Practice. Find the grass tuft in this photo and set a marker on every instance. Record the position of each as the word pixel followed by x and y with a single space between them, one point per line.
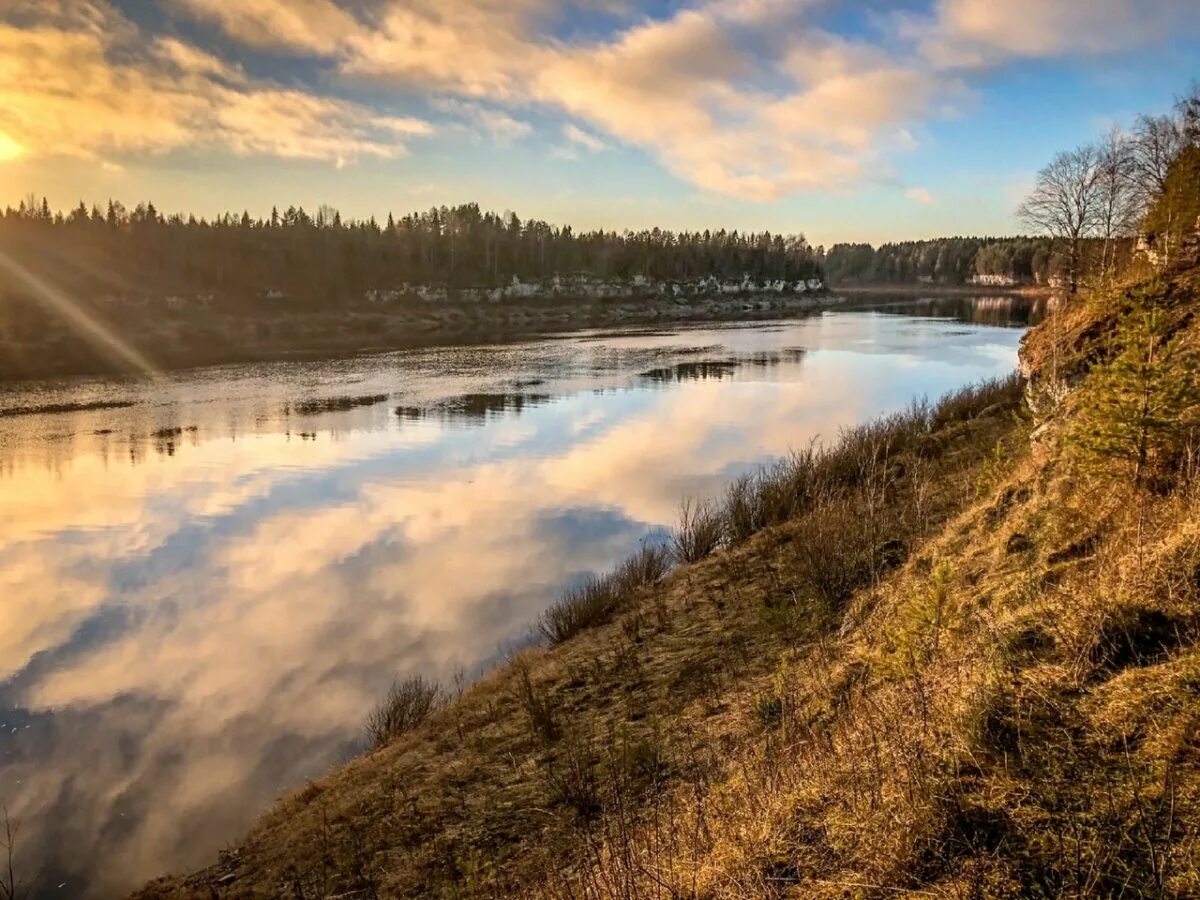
pixel 599 598
pixel 700 531
pixel 408 703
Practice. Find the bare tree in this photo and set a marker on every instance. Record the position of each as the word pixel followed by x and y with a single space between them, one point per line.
pixel 1119 204
pixel 10 885
pixel 1188 108
pixel 1157 141
pixel 1066 203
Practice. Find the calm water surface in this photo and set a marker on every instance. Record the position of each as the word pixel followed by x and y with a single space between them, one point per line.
pixel 203 591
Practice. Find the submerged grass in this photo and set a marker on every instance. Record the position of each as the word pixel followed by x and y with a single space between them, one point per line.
pixel 320 405
pixel 47 408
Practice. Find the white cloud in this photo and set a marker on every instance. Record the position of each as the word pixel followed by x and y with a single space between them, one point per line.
pixel 86 83
pixel 741 97
pixel 585 139
pixel 689 88
pixel 970 33
pixel 683 89
pixel 314 26
pixel 921 195
pixel 503 128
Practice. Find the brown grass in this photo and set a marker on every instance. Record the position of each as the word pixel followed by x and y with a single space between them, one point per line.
pixel 589 749
pixel 932 660
pixel 408 703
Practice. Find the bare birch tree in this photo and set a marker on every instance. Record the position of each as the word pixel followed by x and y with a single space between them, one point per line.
pixel 1157 140
pixel 1188 108
pixel 1066 204
pixel 1119 202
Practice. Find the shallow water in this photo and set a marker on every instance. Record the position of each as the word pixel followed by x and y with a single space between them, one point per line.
pixel 207 581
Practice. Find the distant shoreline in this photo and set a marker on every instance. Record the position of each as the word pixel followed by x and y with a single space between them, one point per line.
pixel 233 340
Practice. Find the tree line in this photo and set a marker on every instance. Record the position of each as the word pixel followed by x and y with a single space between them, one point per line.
pixel 955 260
pixel 1091 200
pixel 325 256
pixel 1086 208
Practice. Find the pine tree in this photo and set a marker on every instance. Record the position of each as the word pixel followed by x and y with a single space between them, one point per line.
pixel 1139 414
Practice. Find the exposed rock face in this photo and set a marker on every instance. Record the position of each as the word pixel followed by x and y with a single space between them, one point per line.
pixel 990 280
pixel 1044 390
pixel 592 288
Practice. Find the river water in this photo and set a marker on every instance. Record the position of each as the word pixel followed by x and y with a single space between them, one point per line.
pixel 208 579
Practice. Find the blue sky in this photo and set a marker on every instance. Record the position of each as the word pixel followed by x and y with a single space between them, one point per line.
pixel 845 121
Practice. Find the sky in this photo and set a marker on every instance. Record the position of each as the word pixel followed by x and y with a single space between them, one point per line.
pixel 868 121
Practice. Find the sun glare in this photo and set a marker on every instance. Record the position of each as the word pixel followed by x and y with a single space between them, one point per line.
pixel 88 327
pixel 9 148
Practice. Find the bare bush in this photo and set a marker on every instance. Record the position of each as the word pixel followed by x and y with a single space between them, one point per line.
pixel 835 554
pixel 572 778
pixel 743 513
pixel 806 479
pixel 771 496
pixel 408 703
pixel 599 598
pixel 646 566
pixel 700 531
pixel 10 885
pixel 972 400
pixel 863 450
pixel 543 723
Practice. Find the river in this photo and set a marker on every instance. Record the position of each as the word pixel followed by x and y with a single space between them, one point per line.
pixel 207 579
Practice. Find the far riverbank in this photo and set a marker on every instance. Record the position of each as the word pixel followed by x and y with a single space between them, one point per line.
pixel 186 338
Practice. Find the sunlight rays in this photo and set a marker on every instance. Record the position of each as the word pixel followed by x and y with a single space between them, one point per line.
pixel 89 328
pixel 10 149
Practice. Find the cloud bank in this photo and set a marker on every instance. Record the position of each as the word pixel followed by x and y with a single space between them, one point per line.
pixel 77 79
pixel 748 98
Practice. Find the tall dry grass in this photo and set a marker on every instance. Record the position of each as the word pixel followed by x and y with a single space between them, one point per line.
pixel 407 704
pixel 599 598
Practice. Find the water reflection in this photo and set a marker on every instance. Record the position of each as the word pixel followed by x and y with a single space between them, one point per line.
pixel 205 591
pixel 1013 311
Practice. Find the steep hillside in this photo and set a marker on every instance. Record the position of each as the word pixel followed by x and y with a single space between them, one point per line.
pixel 954 656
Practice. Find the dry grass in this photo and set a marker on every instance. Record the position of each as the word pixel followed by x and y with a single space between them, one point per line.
pixel 618 734
pixel 925 661
pixel 408 703
pixel 598 599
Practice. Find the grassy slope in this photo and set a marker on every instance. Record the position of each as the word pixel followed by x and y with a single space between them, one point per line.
pixel 997 695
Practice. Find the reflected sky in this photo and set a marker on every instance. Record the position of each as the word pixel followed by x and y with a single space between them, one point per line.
pixel 205 591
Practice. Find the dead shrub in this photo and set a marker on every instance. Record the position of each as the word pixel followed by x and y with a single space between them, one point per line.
pixel 700 532
pixel 408 703
pixel 572 778
pixel 771 496
pixel 974 400
pixel 539 712
pixel 598 599
pixel 834 553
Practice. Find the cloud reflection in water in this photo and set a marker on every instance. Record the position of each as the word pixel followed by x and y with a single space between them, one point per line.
pixel 188 632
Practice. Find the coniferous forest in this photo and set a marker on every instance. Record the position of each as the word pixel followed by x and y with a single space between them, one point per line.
pixel 323 257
